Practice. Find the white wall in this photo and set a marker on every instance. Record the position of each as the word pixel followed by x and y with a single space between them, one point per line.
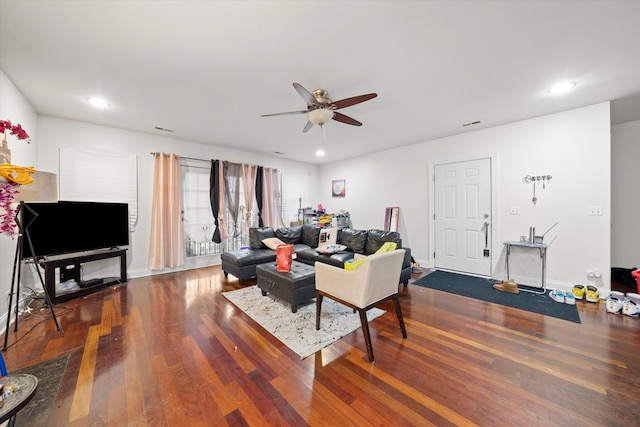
pixel 625 195
pixel 14 107
pixel 55 132
pixel 572 146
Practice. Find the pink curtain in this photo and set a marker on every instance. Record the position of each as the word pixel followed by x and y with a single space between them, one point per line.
pixel 271 199
pixel 249 184
pixel 166 244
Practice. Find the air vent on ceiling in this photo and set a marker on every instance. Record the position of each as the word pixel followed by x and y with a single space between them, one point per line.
pixel 477 122
pixel 163 129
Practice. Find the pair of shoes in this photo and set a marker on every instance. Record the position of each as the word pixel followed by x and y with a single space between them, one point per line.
pixel 578 291
pixel 507 286
pixel 562 297
pixel 591 294
pixel 557 295
pixel 415 268
pixel 614 302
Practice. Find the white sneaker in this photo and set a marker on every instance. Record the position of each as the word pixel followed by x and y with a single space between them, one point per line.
pixel 630 308
pixel 570 299
pixel 634 297
pixel 557 296
pixel 613 305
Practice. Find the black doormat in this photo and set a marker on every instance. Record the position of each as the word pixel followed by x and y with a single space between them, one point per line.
pixel 36 413
pixel 482 289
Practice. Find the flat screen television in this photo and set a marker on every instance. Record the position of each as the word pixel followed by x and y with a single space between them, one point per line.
pixel 67 227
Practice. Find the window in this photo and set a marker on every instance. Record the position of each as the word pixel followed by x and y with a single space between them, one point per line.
pixel 197 218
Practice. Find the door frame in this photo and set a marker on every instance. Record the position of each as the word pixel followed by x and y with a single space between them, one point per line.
pixel 495 218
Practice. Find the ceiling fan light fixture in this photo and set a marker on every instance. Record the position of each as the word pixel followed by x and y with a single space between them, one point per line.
pixel 320 116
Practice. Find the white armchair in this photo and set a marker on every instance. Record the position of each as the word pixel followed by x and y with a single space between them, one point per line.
pixel 374 281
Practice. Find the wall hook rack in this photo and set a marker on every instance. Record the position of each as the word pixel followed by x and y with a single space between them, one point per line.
pixel 536 180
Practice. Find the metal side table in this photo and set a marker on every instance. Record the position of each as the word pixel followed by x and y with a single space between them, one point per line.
pixel 23 387
pixel 543 256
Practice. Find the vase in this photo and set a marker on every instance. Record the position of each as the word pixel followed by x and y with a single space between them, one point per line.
pixel 5 153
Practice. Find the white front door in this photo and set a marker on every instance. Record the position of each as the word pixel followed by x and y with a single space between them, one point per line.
pixel 462 220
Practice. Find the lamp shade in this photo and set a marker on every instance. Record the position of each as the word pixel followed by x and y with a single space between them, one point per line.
pixel 44 188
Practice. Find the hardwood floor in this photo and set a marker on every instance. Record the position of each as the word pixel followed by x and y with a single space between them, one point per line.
pixel 170 349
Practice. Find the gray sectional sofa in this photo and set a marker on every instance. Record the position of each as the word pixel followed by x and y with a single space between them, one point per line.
pixel 242 263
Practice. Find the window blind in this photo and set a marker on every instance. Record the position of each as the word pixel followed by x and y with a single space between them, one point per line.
pixel 94 176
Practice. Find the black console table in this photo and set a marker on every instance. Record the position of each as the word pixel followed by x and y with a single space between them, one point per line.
pixel 70 269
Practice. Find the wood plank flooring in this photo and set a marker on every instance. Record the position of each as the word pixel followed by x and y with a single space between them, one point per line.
pixel 170 349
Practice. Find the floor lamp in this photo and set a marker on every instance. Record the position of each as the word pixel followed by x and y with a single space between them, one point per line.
pixel 43 189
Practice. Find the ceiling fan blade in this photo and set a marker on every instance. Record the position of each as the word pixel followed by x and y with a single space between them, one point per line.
pixel 345 119
pixel 285 114
pixel 347 102
pixel 308 126
pixel 305 94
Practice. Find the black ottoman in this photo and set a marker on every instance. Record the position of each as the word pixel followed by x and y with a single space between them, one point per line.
pixel 294 287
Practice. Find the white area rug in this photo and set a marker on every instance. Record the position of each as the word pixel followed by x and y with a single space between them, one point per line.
pixel 298 330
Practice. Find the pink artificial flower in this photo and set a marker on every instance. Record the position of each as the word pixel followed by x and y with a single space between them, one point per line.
pixel 16 130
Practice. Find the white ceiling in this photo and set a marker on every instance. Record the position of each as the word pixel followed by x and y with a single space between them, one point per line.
pixel 209 69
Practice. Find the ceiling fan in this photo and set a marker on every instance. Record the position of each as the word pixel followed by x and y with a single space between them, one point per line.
pixel 321 109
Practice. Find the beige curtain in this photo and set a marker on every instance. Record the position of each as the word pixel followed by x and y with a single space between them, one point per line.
pixel 271 199
pixel 249 184
pixel 166 244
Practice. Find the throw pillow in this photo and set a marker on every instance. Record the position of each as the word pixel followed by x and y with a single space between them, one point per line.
pixel 328 236
pixel 352 265
pixel 330 249
pixel 386 247
pixel 273 242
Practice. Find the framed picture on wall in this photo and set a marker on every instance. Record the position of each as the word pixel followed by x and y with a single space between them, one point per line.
pixel 338 188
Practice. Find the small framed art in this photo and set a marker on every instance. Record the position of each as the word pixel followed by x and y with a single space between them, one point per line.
pixel 338 188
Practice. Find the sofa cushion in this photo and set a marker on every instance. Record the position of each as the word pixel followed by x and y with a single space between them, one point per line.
pixel 257 235
pixel 310 235
pixel 354 240
pixel 291 235
pixel 306 254
pixel 246 257
pixel 376 238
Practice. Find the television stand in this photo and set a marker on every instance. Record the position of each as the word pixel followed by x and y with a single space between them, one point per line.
pixel 70 269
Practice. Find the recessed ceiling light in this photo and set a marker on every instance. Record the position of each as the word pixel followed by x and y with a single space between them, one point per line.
pixel 320 153
pixel 561 88
pixel 98 102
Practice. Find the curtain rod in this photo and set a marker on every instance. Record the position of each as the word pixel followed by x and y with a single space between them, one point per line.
pixel 155 153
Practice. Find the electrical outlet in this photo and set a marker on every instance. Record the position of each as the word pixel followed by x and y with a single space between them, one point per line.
pixel 594 210
pixel 514 210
